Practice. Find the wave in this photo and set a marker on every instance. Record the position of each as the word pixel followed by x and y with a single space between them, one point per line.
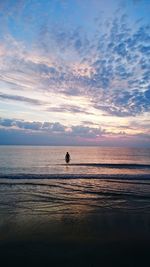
pixel 112 165
pixel 77 176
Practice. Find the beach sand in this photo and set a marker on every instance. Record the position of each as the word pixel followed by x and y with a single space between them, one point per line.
pixel 95 239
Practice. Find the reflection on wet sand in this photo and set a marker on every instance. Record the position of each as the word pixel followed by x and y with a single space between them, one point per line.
pixel 76 239
pixel 74 222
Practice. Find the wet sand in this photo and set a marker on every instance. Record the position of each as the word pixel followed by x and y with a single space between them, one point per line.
pixel 77 222
pixel 98 239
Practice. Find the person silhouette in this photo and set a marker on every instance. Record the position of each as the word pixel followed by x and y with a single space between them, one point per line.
pixel 67 157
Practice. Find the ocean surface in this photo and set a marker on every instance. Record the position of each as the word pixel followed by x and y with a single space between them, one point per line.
pixel 99 202
pixel 95 177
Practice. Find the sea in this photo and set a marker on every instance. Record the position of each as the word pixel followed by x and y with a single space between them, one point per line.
pixel 76 214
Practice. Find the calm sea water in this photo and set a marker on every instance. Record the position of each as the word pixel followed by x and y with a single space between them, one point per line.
pixel 96 177
pixel 85 161
pixel 96 209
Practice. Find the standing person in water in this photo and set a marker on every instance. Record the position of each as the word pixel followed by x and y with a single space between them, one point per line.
pixel 67 157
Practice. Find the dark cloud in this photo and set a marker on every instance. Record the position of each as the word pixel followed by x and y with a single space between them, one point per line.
pixel 86 132
pixel 20 137
pixel 57 127
pixel 51 128
pixel 21 124
pixel 68 109
pixel 71 92
pixel 35 126
pixel 21 99
pixel 17 132
pixel 6 122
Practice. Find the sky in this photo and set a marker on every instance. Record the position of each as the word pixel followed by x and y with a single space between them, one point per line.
pixel 75 72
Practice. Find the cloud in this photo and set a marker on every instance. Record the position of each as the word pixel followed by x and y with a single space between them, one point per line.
pixel 20 124
pixel 51 128
pixel 37 133
pixel 21 99
pixel 68 109
pixel 118 62
pixel 127 103
pixel 87 132
pixel 107 64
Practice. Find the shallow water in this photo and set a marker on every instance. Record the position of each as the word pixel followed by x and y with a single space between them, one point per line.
pixel 84 160
pixel 37 180
pixel 96 209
